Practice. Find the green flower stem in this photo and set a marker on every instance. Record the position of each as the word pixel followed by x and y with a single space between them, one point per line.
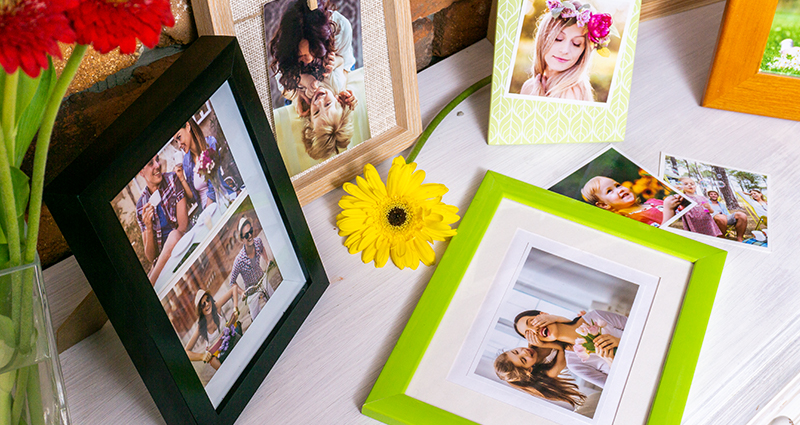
pixel 35 405
pixel 10 112
pixel 9 215
pixel 442 114
pixel 37 185
pixel 6 385
pixel 20 394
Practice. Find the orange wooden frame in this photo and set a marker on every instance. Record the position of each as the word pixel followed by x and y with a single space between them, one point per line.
pixel 736 83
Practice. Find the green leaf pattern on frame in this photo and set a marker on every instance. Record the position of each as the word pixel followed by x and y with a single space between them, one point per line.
pixel 515 120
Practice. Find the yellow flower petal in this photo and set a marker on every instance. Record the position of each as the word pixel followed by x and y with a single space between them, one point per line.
pixel 399 220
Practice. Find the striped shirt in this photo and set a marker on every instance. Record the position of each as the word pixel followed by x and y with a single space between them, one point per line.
pixel 249 268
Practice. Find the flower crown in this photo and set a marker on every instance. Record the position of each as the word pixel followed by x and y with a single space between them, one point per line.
pixel 598 25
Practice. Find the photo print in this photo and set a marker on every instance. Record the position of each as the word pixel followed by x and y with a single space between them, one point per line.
pixel 616 184
pixel 171 205
pixel 568 50
pixel 212 305
pixel 782 53
pixel 203 223
pixel 316 79
pixel 557 332
pixel 732 203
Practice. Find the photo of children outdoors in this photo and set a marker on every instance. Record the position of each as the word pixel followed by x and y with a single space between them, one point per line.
pixel 212 305
pixel 568 49
pixel 552 337
pixel 782 53
pixel 614 183
pixel 316 79
pixel 732 204
pixel 169 207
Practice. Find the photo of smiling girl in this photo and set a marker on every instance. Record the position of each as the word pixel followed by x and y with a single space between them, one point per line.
pixel 316 72
pixel 568 49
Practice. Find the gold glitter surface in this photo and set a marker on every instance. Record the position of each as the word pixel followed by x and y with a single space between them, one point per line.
pixel 95 67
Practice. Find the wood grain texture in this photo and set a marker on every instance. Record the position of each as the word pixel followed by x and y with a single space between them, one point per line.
pixel 214 17
pixel 325 374
pixel 735 83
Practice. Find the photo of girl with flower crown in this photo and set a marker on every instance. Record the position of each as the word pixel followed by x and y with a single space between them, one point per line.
pixel 568 49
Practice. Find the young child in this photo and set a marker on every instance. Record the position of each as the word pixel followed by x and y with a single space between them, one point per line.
pixel 699 219
pixel 328 128
pixel 567 33
pixel 609 195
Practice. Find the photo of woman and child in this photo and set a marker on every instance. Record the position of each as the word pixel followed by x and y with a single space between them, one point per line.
pixel 317 79
pixel 568 49
pixel 176 197
pixel 213 304
pixel 732 203
pixel 616 184
pixel 555 331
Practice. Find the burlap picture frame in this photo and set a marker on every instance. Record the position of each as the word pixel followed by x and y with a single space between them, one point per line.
pixel 388 57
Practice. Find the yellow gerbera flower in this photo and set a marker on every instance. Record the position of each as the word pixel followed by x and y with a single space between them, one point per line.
pixel 400 220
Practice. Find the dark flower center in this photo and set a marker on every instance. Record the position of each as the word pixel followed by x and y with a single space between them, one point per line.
pixel 396 216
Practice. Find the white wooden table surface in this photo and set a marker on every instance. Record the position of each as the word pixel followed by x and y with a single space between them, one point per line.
pixel 327 370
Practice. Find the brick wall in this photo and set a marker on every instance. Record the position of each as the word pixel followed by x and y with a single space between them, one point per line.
pixel 443 27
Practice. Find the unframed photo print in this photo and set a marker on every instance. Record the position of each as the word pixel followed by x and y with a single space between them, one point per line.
pixel 316 77
pixel 568 54
pixel 541 287
pixel 611 181
pixel 736 201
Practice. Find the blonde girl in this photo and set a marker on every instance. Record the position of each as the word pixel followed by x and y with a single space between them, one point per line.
pixel 329 127
pixel 607 194
pixel 566 35
pixel 526 369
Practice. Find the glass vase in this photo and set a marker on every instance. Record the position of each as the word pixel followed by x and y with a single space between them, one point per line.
pixel 31 383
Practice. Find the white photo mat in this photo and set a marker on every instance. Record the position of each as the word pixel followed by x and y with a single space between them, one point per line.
pixel 277 237
pixel 430 384
pixel 463 371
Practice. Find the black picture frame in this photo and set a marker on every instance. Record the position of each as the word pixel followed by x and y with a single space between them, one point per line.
pixel 79 200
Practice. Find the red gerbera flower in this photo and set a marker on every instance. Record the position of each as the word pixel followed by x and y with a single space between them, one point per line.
pixel 29 30
pixel 108 24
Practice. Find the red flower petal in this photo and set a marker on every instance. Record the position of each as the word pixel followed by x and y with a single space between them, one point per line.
pixel 110 24
pixel 30 29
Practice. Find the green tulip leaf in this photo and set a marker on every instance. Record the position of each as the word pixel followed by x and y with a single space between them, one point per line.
pixel 26 88
pixel 2 83
pixel 21 188
pixel 31 117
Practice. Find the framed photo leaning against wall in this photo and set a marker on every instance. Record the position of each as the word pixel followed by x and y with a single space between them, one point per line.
pixel 184 221
pixel 336 77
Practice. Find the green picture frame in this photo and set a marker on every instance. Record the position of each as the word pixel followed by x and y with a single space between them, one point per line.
pixel 388 401
pixel 518 118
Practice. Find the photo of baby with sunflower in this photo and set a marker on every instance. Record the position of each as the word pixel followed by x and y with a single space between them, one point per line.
pixel 616 184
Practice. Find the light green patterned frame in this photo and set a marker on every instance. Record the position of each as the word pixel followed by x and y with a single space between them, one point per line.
pixel 387 402
pixel 515 121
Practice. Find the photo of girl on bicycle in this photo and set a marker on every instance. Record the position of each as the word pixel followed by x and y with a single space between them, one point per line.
pixel 223 291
